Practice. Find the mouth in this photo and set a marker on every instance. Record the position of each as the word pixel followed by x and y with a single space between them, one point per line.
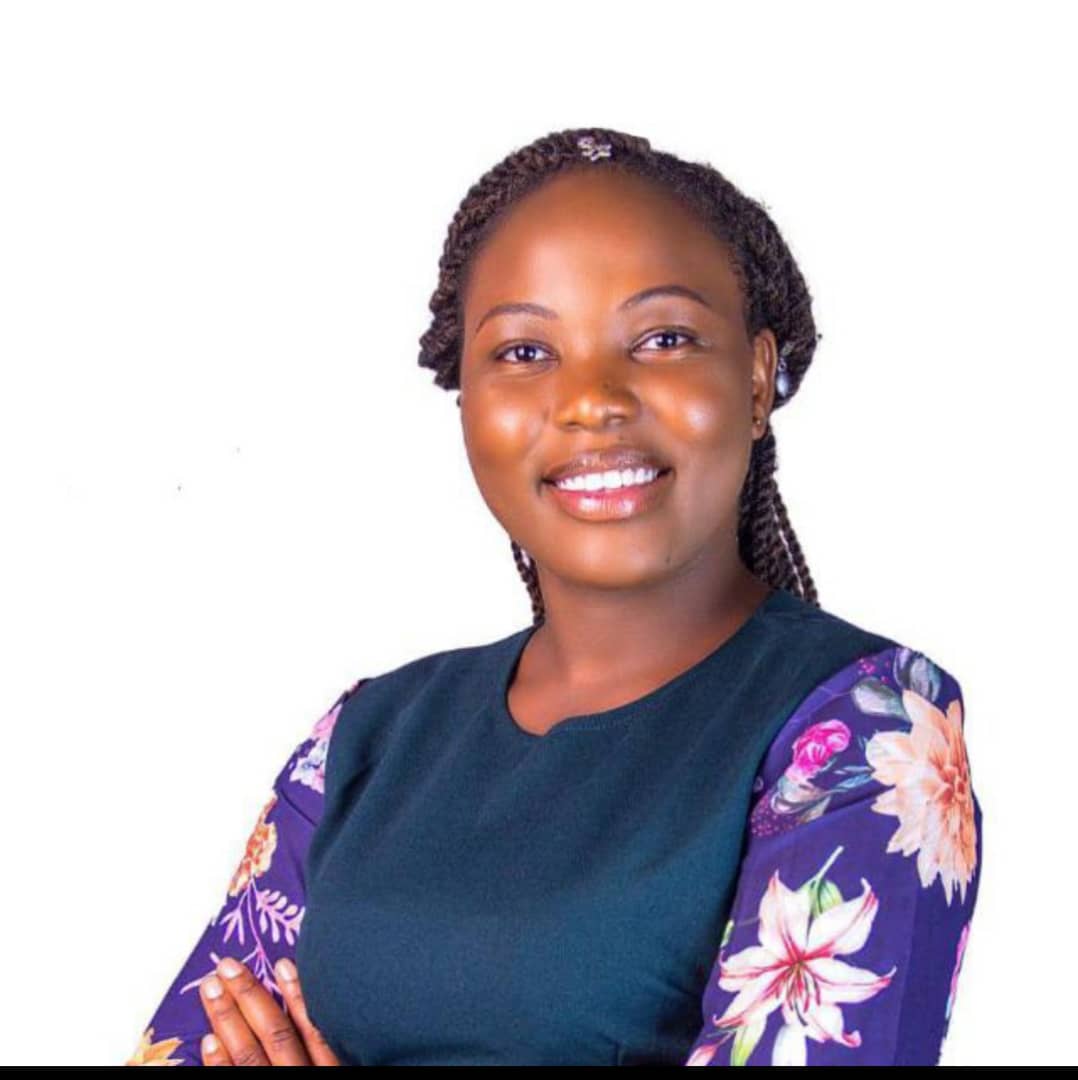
pixel 606 497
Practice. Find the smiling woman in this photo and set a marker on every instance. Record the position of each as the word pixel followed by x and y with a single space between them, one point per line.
pixel 686 816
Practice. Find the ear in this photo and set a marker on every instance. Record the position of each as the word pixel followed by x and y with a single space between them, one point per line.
pixel 764 368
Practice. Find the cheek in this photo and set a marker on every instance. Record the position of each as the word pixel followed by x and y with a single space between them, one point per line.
pixel 706 420
pixel 498 428
pixel 500 433
pixel 710 431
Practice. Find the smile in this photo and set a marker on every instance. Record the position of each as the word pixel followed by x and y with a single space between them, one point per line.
pixel 611 495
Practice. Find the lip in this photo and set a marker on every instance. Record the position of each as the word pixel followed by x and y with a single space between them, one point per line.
pixel 604 459
pixel 615 504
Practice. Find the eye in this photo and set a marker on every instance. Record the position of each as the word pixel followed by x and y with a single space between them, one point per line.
pixel 670 332
pixel 517 348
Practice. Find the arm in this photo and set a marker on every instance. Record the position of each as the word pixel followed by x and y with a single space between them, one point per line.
pixel 262 912
pixel 859 878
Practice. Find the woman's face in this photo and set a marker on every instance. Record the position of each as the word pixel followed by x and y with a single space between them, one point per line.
pixel 582 362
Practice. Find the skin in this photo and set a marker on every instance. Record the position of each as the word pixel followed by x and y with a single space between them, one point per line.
pixel 249 1026
pixel 630 603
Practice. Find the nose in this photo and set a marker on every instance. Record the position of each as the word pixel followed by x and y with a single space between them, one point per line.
pixel 594 395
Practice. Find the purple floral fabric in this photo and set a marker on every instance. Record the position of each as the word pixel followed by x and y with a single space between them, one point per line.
pixel 852 911
pixel 262 913
pixel 858 882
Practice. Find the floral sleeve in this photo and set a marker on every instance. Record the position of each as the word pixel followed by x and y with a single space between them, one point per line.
pixel 859 878
pixel 262 912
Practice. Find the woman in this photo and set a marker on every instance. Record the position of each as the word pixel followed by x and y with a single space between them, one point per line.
pixel 686 816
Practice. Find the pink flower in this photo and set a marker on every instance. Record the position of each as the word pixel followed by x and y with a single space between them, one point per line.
pixel 795 968
pixel 324 728
pixel 702 1055
pixel 957 968
pixel 815 747
pixel 310 768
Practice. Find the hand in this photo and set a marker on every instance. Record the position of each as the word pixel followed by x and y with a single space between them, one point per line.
pixel 251 1028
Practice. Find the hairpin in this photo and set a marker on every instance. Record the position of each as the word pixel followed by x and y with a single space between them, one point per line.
pixel 591 149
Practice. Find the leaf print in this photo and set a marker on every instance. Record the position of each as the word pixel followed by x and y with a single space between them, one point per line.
pixel 277 916
pixel 914 671
pixel 262 914
pixel 874 697
pixel 232 921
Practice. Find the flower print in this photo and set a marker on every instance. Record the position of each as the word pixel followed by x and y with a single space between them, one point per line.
pixel 815 748
pixel 261 845
pixel 702 1055
pixel 262 913
pixel 959 954
pixel 927 775
pixel 149 1052
pixel 310 768
pixel 795 968
pixel 796 798
pixel 323 728
pixel 882 736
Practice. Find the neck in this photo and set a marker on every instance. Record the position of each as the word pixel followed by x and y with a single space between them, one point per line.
pixel 593 636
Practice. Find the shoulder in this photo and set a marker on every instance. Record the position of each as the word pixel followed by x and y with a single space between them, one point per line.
pixel 360 714
pixel 869 678
pixel 793 621
pixel 884 731
pixel 890 687
pixel 301 781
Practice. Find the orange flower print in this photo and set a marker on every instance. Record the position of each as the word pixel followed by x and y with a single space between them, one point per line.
pixel 927 775
pixel 261 845
pixel 154 1053
pixel 796 968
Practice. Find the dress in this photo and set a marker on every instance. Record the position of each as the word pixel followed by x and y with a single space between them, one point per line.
pixel 773 858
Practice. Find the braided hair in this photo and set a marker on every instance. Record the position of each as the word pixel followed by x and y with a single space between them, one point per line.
pixel 774 295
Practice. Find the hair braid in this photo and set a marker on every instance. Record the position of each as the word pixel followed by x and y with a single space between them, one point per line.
pixel 774 295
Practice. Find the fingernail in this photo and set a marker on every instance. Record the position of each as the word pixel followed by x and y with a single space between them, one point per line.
pixel 209 1044
pixel 214 989
pixel 286 969
pixel 229 968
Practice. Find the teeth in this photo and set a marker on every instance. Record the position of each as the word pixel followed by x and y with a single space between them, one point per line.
pixel 610 480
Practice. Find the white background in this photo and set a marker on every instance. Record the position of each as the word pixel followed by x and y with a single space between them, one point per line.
pixel 228 490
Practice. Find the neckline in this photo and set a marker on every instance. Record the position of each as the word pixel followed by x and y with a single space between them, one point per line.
pixel 514 650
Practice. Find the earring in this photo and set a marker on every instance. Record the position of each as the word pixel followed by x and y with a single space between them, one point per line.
pixel 782 379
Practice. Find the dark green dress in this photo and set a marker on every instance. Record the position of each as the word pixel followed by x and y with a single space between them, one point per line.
pixel 771 859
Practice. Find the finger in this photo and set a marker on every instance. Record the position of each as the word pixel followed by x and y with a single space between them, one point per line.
pixel 213 1053
pixel 317 1047
pixel 229 1025
pixel 273 1037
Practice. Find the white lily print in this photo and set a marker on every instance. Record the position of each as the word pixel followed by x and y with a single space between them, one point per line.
pixel 795 968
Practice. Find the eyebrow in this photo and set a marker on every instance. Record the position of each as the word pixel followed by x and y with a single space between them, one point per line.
pixel 524 308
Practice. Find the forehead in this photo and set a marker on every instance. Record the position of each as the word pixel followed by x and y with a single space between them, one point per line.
pixel 597 236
